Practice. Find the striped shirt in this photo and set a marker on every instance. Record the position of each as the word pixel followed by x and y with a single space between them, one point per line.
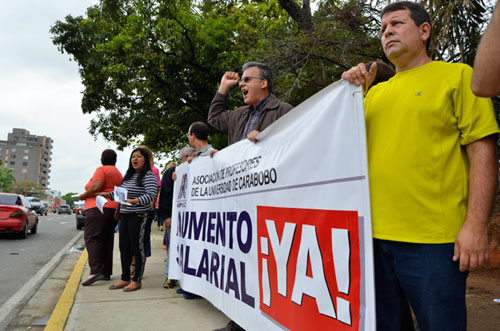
pixel 145 193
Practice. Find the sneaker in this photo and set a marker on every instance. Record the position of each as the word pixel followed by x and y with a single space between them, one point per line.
pixel 190 296
pixel 171 283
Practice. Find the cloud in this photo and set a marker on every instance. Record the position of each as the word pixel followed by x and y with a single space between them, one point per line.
pixel 40 90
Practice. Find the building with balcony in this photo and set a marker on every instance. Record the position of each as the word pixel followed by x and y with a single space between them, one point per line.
pixel 28 155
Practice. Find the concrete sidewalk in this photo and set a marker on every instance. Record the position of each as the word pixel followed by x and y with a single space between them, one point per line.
pixel 153 307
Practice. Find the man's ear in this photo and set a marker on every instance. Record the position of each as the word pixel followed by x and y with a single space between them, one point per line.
pixel 425 31
pixel 263 83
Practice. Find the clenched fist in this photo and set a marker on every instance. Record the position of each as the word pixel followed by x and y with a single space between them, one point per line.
pixel 229 79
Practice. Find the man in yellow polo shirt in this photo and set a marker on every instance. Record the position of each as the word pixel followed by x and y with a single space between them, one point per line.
pixel 433 168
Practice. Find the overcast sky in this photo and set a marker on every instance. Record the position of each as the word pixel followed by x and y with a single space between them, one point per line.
pixel 40 90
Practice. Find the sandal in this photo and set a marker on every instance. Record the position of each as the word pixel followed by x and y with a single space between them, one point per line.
pixel 119 285
pixel 134 286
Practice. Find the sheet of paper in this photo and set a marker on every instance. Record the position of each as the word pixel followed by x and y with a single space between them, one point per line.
pixel 100 201
pixel 121 195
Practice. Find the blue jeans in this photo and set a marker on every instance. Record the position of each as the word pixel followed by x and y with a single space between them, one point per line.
pixel 424 277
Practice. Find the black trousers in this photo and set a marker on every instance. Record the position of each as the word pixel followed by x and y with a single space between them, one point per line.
pixel 132 231
pixel 99 235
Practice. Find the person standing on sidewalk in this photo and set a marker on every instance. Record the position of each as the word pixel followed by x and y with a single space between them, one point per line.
pixel 165 205
pixel 198 138
pixel 99 227
pixel 142 187
pixel 246 122
pixel 154 205
pixel 432 166
pixel 262 107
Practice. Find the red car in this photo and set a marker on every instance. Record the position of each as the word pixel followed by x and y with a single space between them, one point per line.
pixel 17 215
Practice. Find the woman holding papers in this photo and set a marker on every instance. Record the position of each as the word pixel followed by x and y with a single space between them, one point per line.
pixel 141 185
pixel 99 226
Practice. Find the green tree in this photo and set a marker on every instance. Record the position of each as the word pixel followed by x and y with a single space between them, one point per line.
pixel 6 179
pixel 150 67
pixel 29 189
pixel 309 55
pixel 68 197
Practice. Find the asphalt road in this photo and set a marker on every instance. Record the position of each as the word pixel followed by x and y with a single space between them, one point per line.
pixel 21 259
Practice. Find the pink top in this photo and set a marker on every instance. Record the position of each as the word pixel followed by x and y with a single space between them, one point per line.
pixel 157 174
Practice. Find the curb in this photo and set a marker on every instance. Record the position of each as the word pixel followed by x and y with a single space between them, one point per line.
pixel 27 291
pixel 63 307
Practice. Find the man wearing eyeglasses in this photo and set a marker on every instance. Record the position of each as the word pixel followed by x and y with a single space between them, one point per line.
pixel 263 108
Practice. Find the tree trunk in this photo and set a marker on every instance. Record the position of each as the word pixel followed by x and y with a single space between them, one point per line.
pixel 300 15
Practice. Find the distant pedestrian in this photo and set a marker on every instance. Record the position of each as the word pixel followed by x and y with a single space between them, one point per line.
pixel 99 227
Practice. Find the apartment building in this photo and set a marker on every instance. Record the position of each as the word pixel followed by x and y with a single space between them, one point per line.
pixel 28 155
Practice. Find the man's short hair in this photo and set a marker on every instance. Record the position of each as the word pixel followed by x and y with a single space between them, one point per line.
pixel 265 73
pixel 186 151
pixel 108 157
pixel 418 14
pixel 200 130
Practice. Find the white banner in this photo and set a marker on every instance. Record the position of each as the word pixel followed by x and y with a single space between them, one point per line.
pixel 277 234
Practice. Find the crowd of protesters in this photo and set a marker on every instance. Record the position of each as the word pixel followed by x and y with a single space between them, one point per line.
pixel 431 140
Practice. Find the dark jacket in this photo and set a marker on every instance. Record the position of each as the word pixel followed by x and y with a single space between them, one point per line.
pixel 166 194
pixel 233 122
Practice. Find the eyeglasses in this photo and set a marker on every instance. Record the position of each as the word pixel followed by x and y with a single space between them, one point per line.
pixel 247 79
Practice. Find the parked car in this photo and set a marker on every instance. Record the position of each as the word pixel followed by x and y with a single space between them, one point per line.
pixel 80 216
pixel 38 206
pixel 17 215
pixel 64 209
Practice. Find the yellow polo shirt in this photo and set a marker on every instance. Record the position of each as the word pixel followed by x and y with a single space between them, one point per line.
pixel 417 126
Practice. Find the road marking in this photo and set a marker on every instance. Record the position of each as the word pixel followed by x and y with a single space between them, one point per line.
pixel 63 222
pixel 29 289
pixel 63 307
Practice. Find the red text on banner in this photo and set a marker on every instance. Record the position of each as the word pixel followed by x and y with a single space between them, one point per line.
pixel 309 267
